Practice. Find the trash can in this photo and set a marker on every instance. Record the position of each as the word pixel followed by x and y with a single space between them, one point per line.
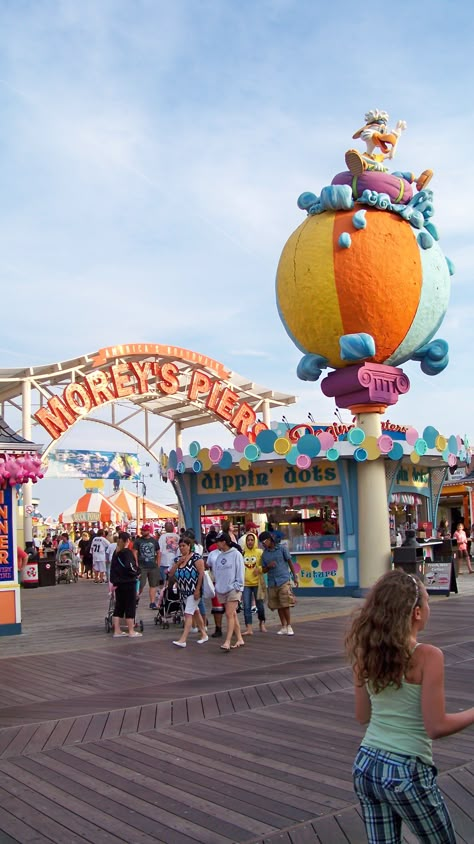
pixel 47 573
pixel 29 575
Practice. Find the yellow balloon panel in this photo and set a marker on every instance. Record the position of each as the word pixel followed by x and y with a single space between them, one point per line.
pixel 281 445
pixel 371 447
pixel 203 456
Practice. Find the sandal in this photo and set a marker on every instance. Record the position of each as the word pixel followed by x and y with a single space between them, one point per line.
pixel 238 645
pixel 225 648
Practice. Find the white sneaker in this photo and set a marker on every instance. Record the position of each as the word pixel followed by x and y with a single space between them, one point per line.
pixel 180 644
pixel 290 631
pixel 283 631
pixel 203 640
pixel 194 630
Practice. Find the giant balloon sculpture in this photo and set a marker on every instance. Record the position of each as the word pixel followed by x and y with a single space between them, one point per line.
pixel 363 286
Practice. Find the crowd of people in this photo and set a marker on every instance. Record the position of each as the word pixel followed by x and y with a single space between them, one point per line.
pixel 245 573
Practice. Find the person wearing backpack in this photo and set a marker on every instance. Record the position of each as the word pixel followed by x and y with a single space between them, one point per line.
pixel 278 566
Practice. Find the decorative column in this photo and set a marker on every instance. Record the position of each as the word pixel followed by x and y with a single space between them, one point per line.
pixel 367 390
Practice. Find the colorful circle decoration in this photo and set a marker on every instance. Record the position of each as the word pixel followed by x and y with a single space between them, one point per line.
pixel 414 457
pixel 205 459
pixel 429 435
pixel 332 454
pixel 282 445
pixel 265 441
pixel 411 436
pixel 194 448
pixel 226 460
pixel 421 446
pixel 397 452
pixel 303 461
pixel 240 443
pixel 309 445
pixel 197 466
pixel 181 468
pixel 441 443
pixel 356 436
pixel 453 445
pixel 252 452
pixel 385 444
pixel 173 459
pixel 215 453
pixel 179 453
pixel 170 474
pixel 292 456
pixel 360 455
pixel 371 447
pixel 326 439
pixel 244 464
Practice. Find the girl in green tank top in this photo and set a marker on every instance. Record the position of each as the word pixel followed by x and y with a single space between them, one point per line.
pixel 399 695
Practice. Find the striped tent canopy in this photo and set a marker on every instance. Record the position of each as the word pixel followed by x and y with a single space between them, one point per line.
pixel 92 507
pixel 151 510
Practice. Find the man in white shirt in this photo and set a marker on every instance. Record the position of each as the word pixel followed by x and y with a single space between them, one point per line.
pixel 99 546
pixel 168 550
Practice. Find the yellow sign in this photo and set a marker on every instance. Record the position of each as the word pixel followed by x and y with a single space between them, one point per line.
pixel 93 483
pixel 319 569
pixel 413 476
pixel 266 478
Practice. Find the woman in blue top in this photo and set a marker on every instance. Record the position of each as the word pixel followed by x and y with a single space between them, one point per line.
pixel 399 693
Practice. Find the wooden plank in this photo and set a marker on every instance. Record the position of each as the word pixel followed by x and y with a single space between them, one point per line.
pixel 305 834
pixel 224 703
pixel 96 726
pixel 113 726
pixel 210 707
pixel 147 718
pixel 14 829
pixel 195 709
pixel 58 736
pixel 352 826
pixel 19 741
pixel 41 736
pixel 179 711
pixel 131 719
pixel 163 714
pixel 330 832
pixel 84 819
pixel 37 820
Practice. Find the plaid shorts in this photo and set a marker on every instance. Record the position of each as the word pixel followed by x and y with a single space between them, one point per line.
pixel 392 788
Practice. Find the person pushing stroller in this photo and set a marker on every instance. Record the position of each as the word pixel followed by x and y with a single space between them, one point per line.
pixel 124 572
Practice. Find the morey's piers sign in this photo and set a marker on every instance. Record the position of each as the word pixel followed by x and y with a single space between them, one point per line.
pixel 139 377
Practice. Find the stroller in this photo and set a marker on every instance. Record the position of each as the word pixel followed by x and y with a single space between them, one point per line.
pixel 109 624
pixel 66 568
pixel 170 606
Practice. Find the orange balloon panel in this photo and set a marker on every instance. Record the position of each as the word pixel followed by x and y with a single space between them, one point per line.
pixel 378 279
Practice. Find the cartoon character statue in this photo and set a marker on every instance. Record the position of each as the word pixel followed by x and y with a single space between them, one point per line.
pixel 376 135
pixel 363 278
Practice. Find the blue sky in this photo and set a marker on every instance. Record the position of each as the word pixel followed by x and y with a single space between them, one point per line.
pixel 152 153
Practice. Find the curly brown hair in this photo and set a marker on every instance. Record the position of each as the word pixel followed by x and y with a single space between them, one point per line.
pixel 378 641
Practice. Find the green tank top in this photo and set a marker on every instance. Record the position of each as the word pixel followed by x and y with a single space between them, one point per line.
pixel 396 722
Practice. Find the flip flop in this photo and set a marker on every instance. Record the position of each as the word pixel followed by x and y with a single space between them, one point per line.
pixel 225 648
pixel 237 645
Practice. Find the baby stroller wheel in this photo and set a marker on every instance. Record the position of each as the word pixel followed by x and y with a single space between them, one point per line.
pixel 108 624
pixel 156 621
pixel 141 626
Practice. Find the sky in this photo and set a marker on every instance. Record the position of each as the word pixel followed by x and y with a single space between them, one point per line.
pixel 151 156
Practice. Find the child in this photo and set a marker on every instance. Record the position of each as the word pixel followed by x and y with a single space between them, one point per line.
pixel 399 694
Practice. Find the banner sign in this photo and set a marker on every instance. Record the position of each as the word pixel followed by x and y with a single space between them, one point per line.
pixel 68 463
pixel 7 562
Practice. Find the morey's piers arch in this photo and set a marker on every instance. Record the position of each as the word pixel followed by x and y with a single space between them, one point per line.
pixel 139 382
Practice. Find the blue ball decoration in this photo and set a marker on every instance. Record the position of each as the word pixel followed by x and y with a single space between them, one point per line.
pixel 226 460
pixel 397 451
pixel 265 441
pixel 309 444
pixel 172 459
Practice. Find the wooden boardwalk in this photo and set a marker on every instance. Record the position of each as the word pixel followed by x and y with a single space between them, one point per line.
pixel 137 742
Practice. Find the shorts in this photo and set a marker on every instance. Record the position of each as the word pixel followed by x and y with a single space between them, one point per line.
pixel 461 554
pixel 150 575
pixel 99 566
pixel 281 597
pixel 125 600
pixel 191 605
pixel 226 597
